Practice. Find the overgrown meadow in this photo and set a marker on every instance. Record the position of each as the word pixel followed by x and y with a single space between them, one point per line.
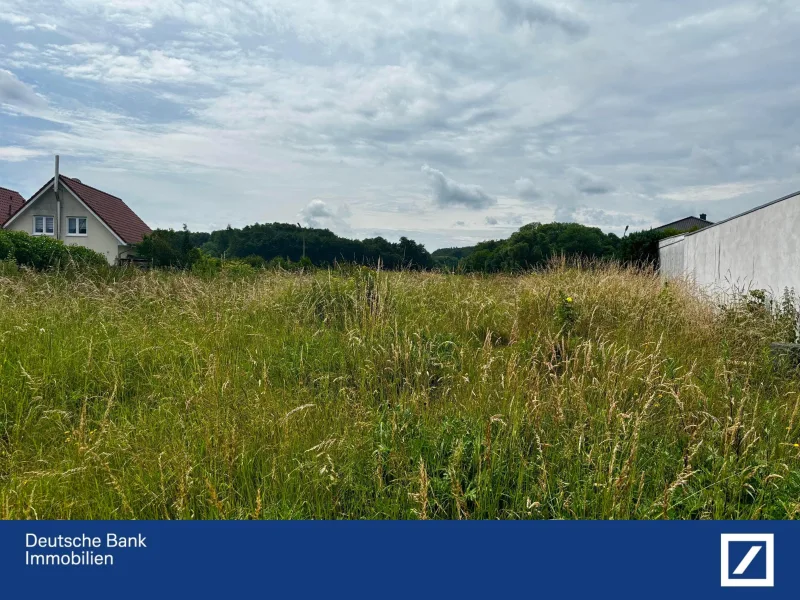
pixel 570 393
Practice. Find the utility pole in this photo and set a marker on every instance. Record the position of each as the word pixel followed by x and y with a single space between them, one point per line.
pixel 57 225
pixel 304 239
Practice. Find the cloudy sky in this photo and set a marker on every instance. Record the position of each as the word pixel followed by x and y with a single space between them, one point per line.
pixel 450 121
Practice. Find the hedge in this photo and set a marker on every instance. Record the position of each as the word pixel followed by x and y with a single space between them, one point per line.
pixel 42 252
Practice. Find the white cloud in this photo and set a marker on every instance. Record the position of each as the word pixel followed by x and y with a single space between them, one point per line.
pixel 17 154
pixel 317 213
pixel 16 93
pixel 238 111
pixel 106 63
pixel 14 19
pixel 447 192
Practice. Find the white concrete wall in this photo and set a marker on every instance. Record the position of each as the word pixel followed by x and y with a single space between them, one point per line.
pixel 671 256
pixel 757 250
pixel 97 237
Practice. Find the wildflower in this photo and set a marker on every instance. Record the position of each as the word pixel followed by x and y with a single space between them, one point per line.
pixel 796 445
pixel 569 299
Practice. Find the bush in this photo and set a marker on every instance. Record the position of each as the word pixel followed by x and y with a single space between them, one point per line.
pixel 204 265
pixel 237 268
pixel 42 252
pixel 641 247
pixel 255 261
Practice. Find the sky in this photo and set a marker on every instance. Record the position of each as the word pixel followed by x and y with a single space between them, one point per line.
pixel 447 121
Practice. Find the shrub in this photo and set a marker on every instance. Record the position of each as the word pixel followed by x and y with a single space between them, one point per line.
pixel 83 256
pixel 237 268
pixel 205 265
pixel 255 261
pixel 42 252
pixel 641 247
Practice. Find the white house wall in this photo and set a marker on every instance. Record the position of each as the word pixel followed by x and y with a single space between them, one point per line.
pixel 757 250
pixel 98 237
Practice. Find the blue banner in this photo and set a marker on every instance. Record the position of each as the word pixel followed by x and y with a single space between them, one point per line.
pixel 303 559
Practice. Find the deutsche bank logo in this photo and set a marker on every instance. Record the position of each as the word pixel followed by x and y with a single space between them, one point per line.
pixel 748 560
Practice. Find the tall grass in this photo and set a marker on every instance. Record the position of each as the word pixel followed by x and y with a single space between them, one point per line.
pixel 568 393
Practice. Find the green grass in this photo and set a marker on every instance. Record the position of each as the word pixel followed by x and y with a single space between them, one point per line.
pixel 390 395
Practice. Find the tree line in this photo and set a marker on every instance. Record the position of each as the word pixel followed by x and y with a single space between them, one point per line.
pixel 288 246
pixel 535 244
pixel 280 244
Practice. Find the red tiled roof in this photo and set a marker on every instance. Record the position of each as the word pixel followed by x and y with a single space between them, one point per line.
pixel 112 210
pixel 10 202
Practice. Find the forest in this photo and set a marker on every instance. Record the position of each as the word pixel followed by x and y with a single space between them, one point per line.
pixel 287 245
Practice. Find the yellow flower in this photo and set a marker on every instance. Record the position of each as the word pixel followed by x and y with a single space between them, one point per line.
pixel 569 299
pixel 796 445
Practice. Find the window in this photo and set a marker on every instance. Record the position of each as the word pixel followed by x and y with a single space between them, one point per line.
pixel 76 225
pixel 43 225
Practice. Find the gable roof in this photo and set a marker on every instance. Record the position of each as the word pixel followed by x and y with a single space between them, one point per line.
pixel 112 211
pixel 10 202
pixel 685 224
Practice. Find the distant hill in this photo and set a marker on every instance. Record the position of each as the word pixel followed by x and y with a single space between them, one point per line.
pixel 281 242
pixel 450 257
pixel 532 246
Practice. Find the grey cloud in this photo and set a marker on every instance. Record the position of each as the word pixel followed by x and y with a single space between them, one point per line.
pixel 518 12
pixel 598 217
pixel 317 214
pixel 590 184
pixel 447 192
pixel 565 212
pixel 660 98
pixel 344 211
pixel 526 189
pixel 507 220
pixel 16 93
pixel 704 158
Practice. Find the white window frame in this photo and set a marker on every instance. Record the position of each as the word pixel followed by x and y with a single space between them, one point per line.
pixel 77 227
pixel 44 225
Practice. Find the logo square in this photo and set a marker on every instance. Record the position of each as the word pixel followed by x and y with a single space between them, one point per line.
pixel 747 560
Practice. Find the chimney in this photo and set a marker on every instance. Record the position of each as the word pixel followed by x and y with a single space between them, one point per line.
pixel 703 216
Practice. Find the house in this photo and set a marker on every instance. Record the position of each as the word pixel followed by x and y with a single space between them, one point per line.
pixel 81 215
pixel 686 224
pixel 758 249
pixel 10 202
